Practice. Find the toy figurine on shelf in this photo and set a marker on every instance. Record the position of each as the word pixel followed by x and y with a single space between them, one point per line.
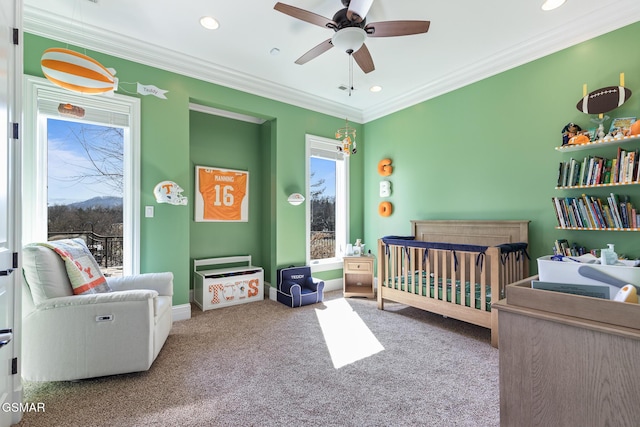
pixel 573 134
pixel 618 133
pixel 569 131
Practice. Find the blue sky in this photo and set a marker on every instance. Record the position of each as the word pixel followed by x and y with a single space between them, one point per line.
pixel 65 160
pixel 324 169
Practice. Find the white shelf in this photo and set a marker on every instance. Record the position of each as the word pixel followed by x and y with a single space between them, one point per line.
pixel 597 229
pixel 611 184
pixel 598 143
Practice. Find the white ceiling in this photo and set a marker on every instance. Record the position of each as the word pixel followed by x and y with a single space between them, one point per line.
pixel 468 40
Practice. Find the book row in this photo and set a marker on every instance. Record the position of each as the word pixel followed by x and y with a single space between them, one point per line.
pixel 595 170
pixel 561 247
pixel 594 212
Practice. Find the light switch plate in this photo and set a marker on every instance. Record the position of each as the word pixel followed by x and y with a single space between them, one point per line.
pixel 148 211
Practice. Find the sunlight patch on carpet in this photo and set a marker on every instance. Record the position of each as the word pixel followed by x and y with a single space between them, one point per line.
pixel 347 337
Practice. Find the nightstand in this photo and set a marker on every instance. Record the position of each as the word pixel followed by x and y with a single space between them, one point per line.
pixel 357 275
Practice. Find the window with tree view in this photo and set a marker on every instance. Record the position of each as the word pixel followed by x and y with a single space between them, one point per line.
pixel 326 196
pixel 85 173
pixel 81 172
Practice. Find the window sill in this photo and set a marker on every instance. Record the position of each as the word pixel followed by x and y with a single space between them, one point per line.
pixel 326 265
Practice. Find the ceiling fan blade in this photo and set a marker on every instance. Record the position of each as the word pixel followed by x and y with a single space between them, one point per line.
pixel 396 28
pixel 314 52
pixel 363 59
pixel 304 15
pixel 358 10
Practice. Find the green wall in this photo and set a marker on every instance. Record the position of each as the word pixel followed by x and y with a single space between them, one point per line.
pixel 229 144
pixel 168 239
pixel 486 151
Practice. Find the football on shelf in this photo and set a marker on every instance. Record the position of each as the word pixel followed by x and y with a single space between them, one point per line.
pixel 604 100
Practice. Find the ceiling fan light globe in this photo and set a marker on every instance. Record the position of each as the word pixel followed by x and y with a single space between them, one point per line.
pixel 349 39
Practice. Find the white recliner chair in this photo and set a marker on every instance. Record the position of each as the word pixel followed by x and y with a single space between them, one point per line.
pixel 69 337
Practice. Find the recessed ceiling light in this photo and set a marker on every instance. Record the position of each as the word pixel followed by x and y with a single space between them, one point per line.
pixel 209 22
pixel 375 88
pixel 552 4
pixel 274 51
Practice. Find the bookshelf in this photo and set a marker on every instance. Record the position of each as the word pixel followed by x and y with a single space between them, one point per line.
pixel 617 169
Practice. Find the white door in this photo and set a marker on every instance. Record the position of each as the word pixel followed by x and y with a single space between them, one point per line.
pixel 10 64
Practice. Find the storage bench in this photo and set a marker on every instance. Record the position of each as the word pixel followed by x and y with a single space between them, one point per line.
pixel 225 286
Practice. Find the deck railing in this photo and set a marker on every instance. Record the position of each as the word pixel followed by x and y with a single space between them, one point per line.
pixel 107 250
pixel 323 244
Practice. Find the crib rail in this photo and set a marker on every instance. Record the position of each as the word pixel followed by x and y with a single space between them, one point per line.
pixel 457 283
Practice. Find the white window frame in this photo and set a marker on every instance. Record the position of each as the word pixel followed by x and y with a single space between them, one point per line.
pixel 34 176
pixel 318 143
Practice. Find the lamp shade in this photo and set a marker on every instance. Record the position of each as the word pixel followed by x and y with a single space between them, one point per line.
pixel 77 72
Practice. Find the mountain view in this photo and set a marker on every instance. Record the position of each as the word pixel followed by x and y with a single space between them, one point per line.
pixel 101 215
pixel 98 202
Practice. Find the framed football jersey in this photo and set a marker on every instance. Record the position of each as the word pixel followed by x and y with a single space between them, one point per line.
pixel 222 195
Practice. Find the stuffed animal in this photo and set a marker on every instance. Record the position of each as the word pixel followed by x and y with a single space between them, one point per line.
pixel 569 131
pixel 581 138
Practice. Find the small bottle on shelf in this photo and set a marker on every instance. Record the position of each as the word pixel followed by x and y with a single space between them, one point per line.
pixel 608 256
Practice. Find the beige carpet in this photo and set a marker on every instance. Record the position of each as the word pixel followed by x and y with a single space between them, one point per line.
pixel 340 363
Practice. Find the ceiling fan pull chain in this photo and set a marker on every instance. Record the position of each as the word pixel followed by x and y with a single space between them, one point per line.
pixel 350 73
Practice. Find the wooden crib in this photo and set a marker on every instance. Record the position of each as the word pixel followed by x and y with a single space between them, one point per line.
pixel 454 268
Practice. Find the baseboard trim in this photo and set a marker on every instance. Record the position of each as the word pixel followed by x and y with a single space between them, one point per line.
pixel 333 285
pixel 181 312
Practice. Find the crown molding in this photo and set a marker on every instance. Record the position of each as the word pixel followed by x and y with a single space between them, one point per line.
pixel 56 27
pixel 225 113
pixel 576 31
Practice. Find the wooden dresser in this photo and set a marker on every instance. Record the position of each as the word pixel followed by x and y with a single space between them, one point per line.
pixel 560 370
